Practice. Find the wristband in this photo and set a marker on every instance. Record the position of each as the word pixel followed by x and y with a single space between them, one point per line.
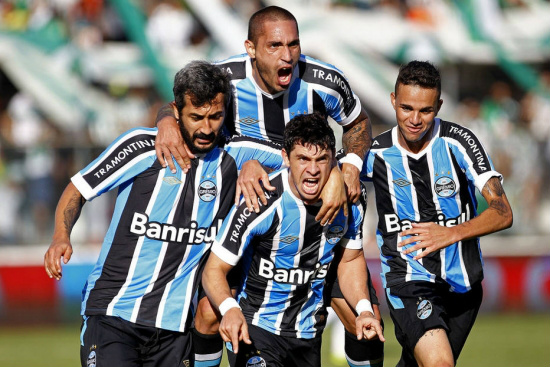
pixel 354 159
pixel 364 305
pixel 227 304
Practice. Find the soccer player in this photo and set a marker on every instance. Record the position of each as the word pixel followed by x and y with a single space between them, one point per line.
pixel 286 254
pixel 425 173
pixel 273 82
pixel 138 298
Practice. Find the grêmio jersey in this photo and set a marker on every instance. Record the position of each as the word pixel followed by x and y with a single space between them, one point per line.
pixel 162 226
pixel 315 87
pixel 437 185
pixel 285 256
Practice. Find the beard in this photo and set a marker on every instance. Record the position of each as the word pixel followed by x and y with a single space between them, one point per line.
pixel 190 141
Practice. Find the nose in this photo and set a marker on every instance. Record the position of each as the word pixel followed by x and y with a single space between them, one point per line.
pixel 206 127
pixel 313 167
pixel 415 118
pixel 286 54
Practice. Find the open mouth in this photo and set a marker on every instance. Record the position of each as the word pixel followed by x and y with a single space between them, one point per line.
pixel 310 186
pixel 284 75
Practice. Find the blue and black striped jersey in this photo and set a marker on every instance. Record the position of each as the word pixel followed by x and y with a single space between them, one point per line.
pixel 437 185
pixel 315 87
pixel 162 226
pixel 285 256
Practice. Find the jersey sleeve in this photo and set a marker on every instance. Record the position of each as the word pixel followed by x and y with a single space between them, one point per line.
pixel 237 232
pixel 126 157
pixel 331 85
pixel 471 156
pixel 244 148
pixel 353 238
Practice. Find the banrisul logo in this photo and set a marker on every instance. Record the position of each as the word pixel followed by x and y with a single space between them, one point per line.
pixel 207 191
pixel 445 187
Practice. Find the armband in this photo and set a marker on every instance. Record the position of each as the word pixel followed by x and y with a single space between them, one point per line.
pixel 228 304
pixel 364 305
pixel 354 159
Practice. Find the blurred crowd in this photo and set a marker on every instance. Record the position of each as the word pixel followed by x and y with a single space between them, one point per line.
pixel 37 157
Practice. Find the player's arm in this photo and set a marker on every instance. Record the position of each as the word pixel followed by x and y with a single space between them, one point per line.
pixel 169 141
pixel 352 277
pixel 431 237
pixel 66 214
pixel 233 327
pixel 356 141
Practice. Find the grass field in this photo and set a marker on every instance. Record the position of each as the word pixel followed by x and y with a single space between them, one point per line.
pixel 497 340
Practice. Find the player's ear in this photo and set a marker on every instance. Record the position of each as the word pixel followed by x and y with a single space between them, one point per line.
pixel 285 157
pixel 176 112
pixel 250 49
pixel 392 98
pixel 439 103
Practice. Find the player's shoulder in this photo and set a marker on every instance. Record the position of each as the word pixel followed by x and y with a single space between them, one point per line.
pixel 136 139
pixel 234 66
pixel 457 132
pixel 319 72
pixel 383 140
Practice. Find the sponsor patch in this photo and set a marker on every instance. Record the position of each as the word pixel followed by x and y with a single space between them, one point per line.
pixel 256 361
pixel 334 234
pixel 445 187
pixel 424 310
pixel 207 191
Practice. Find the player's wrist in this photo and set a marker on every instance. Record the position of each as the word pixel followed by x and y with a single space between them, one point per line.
pixel 353 159
pixel 364 305
pixel 228 304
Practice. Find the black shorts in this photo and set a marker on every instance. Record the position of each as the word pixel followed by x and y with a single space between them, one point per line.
pixel 416 307
pixel 270 350
pixel 111 341
pixel 332 287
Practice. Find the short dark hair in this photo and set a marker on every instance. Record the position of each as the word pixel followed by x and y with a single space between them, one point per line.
pixel 312 129
pixel 201 81
pixel 421 73
pixel 270 13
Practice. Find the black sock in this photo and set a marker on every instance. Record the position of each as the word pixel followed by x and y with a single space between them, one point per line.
pixel 360 351
pixel 208 349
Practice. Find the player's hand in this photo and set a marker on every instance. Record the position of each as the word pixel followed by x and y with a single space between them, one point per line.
pixel 52 258
pixel 368 327
pixel 233 328
pixel 248 184
pixel 428 237
pixel 333 197
pixel 169 143
pixel 351 179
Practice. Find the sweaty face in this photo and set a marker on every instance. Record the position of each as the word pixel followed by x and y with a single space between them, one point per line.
pixel 275 55
pixel 309 171
pixel 201 125
pixel 415 109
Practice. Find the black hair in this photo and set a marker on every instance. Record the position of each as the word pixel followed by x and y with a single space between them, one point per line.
pixel 310 129
pixel 421 73
pixel 270 13
pixel 201 81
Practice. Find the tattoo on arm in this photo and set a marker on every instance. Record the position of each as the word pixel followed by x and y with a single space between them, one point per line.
pixel 72 212
pixel 495 191
pixel 357 139
pixel 165 111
